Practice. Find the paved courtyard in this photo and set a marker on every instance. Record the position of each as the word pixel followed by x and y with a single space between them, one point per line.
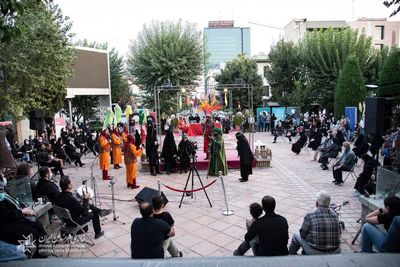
pixel 201 230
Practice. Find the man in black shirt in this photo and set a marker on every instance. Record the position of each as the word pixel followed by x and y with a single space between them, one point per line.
pixel 271 230
pixel 373 236
pixel 148 234
pixel 79 212
pixel 45 187
pixel 159 213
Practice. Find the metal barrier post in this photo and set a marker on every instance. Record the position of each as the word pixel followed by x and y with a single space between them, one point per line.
pixel 227 211
pixel 159 186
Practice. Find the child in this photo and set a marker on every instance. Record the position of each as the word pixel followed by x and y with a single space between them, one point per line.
pixel 256 211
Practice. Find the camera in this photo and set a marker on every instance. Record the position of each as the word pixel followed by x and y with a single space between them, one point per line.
pixel 192 148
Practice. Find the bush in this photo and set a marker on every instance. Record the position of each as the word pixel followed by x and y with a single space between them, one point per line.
pixel 389 82
pixel 350 88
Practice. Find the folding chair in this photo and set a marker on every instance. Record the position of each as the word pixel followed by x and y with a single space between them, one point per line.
pixel 351 173
pixel 65 216
pixel 305 147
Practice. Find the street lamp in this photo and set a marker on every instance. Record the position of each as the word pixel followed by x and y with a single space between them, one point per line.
pixel 372 88
pixel 69 97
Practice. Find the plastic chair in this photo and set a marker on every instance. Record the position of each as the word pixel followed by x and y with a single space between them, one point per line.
pixel 65 216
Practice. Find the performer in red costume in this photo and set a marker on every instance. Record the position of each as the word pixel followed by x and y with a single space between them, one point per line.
pixel 208 128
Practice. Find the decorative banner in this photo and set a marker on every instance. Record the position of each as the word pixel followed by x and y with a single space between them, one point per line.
pixel 180 102
pixel 195 102
pixel 128 111
pixel 188 101
pixel 226 99
pixel 118 115
pixel 108 118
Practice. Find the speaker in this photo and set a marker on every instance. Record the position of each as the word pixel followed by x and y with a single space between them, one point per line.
pixel 36 120
pixel 378 111
pixel 147 194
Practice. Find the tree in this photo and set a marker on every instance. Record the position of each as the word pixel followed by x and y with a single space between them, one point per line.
pixel 389 82
pixel 36 62
pixel 393 3
pixel 350 88
pixel 324 54
pixel 284 71
pixel 166 53
pixel 120 92
pixel 245 69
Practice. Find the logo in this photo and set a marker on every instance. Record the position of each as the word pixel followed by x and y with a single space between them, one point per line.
pixel 28 243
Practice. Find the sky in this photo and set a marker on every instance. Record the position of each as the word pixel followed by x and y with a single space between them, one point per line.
pixel 118 22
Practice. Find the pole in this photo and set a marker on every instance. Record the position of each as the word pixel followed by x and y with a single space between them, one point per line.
pixel 70 110
pixel 227 211
pixel 159 186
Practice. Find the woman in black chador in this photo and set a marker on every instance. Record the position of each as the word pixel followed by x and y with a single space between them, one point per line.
pixel 298 145
pixel 169 151
pixel 152 147
pixel 246 157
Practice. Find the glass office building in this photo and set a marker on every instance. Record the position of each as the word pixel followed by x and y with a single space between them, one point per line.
pixel 224 42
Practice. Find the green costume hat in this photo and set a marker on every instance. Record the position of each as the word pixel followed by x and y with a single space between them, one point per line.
pixel 184 136
pixel 217 131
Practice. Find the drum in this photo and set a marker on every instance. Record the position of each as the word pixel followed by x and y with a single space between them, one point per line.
pixel 83 188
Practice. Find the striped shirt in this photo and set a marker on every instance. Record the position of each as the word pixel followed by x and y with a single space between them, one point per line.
pixel 321 229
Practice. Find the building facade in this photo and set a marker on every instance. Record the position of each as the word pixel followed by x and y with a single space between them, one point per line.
pixel 223 42
pixel 295 30
pixel 382 32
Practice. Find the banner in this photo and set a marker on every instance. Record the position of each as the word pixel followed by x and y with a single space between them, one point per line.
pixel 351 114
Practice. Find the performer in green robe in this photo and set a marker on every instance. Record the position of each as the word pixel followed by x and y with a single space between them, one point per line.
pixel 217 154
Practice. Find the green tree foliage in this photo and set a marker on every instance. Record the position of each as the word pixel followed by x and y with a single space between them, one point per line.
pixel 393 3
pixel 284 71
pixel 324 54
pixel 166 52
pixel 36 62
pixel 350 88
pixel 389 82
pixel 246 69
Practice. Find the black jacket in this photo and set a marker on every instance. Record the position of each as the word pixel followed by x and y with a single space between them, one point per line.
pixel 47 188
pixel 67 201
pixel 272 231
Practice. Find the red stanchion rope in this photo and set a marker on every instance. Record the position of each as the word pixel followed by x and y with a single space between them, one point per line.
pixel 190 191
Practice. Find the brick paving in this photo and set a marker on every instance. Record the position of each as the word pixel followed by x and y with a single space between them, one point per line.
pixel 201 230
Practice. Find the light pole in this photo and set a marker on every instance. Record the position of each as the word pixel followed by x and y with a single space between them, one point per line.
pixel 372 88
pixel 69 97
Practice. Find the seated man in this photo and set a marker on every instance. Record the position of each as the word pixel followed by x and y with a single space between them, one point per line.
pixel 79 212
pixel 331 150
pixel 44 159
pixel 319 233
pixel 45 187
pixel 16 221
pixel 389 217
pixel 271 230
pixel 148 234
pixel 345 163
pixel 159 213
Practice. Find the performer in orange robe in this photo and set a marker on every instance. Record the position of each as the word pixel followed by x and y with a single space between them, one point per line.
pixel 131 153
pixel 116 141
pixel 125 133
pixel 104 153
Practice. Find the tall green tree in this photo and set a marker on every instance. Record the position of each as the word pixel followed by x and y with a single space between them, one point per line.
pixel 324 54
pixel 245 69
pixel 166 53
pixel 389 82
pixel 350 88
pixel 284 71
pixel 36 62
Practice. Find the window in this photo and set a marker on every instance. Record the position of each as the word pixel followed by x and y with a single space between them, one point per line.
pixel 379 33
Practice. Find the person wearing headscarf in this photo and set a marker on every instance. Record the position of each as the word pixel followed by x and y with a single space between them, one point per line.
pixel 208 127
pixel 299 144
pixel 104 153
pixel 368 170
pixel 217 156
pixel 169 151
pixel 116 141
pixel 246 157
pixel 125 133
pixel 152 148
pixel 360 145
pixel 70 150
pixel 131 153
pixel 183 154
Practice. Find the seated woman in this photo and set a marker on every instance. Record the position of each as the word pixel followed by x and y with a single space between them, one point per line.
pixel 364 177
pixel 27 151
pixel 298 145
pixel 331 150
pixel 58 150
pixel 360 145
pixel 44 159
pixel 70 150
pixel 17 221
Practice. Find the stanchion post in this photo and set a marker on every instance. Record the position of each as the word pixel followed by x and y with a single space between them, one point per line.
pixel 159 186
pixel 227 211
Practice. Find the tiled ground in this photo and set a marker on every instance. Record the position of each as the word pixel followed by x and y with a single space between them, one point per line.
pixel 202 230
